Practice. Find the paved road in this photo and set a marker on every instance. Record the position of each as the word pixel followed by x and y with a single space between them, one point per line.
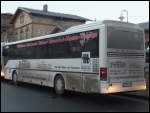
pixel 41 99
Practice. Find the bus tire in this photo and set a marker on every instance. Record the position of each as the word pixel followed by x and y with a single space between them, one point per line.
pixel 59 85
pixel 14 78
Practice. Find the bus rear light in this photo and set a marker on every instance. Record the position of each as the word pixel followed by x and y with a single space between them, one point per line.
pixel 2 74
pixel 103 74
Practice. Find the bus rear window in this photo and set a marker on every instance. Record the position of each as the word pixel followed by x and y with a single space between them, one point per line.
pixel 124 39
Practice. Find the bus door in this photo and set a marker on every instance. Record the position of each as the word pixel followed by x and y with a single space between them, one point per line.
pixel 23 71
pixel 89 50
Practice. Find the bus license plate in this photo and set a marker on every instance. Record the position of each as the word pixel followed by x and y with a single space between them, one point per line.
pixel 127 84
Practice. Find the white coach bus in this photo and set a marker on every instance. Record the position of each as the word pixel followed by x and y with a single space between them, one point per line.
pixel 100 57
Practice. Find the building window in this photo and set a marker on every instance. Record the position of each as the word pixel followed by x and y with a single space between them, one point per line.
pixel 39 31
pixel 21 18
pixel 15 36
pixel 21 34
pixel 18 35
pixel 27 32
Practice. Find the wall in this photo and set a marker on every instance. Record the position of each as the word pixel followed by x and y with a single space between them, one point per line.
pixel 6 27
pixel 27 20
pixel 41 29
pixel 34 26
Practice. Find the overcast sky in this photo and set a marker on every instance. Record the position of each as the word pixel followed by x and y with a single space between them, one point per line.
pixel 101 10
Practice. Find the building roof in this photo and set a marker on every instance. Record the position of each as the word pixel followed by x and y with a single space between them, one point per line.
pixel 42 13
pixel 144 25
pixel 6 14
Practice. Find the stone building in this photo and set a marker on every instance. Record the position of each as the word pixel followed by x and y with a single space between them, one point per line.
pixel 6 27
pixel 30 23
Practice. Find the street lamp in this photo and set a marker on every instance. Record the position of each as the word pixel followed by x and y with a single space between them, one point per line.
pixel 122 17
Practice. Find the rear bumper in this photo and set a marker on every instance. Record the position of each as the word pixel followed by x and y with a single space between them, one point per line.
pixel 117 87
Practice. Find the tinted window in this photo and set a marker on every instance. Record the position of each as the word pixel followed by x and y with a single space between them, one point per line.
pixel 68 46
pixel 59 50
pixel 123 39
pixel 91 45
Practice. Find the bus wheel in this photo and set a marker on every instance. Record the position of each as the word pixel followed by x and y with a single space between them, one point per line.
pixel 59 85
pixel 14 78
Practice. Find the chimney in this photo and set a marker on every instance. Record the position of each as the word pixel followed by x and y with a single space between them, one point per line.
pixel 45 8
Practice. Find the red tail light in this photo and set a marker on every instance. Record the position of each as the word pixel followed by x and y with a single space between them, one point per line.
pixel 103 74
